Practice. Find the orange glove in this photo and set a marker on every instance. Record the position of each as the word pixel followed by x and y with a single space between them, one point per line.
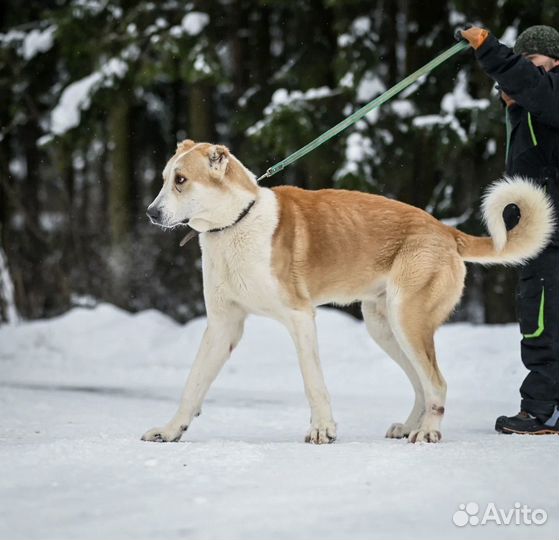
pixel 475 36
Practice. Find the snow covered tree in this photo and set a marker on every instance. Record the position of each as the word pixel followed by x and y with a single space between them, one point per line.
pixel 96 94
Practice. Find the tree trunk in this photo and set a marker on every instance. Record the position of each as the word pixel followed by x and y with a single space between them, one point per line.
pixel 200 112
pixel 121 189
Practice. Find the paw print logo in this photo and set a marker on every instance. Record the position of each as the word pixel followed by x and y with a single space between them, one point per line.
pixel 465 514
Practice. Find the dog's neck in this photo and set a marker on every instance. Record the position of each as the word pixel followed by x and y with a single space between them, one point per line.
pixel 193 233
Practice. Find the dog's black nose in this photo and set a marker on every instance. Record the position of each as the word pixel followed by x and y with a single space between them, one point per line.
pixel 153 213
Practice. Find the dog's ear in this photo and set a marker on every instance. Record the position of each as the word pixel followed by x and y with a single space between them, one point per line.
pixel 218 156
pixel 185 145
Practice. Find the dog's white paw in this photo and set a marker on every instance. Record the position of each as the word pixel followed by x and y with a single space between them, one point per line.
pixel 321 433
pixel 424 435
pixel 398 431
pixel 164 434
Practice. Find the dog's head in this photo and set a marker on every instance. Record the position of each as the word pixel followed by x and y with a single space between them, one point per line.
pixel 204 186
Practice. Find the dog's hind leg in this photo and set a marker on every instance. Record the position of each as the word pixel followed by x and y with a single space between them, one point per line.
pixel 415 336
pixel 416 308
pixel 375 316
pixel 302 328
pixel 222 335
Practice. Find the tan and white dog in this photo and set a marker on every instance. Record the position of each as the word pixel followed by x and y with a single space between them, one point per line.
pixel 280 252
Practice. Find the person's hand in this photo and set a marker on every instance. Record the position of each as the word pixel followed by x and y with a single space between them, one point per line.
pixel 507 99
pixel 475 36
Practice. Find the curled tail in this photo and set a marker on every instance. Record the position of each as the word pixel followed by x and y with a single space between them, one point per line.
pixel 520 219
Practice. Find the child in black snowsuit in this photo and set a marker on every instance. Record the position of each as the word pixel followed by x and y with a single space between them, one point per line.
pixel 528 77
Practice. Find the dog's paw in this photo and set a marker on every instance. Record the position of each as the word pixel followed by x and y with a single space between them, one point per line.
pixel 321 433
pixel 164 434
pixel 398 431
pixel 420 435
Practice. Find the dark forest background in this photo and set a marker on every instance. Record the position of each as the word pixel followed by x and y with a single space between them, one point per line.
pixel 95 94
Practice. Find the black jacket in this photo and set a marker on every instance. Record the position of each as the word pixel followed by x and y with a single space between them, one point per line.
pixel 533 123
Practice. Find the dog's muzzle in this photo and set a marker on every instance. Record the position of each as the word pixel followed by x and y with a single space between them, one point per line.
pixel 154 214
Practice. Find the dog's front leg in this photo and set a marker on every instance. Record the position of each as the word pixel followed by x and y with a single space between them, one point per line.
pixel 301 326
pixel 220 338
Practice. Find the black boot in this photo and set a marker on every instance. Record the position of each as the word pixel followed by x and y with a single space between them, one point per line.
pixel 524 424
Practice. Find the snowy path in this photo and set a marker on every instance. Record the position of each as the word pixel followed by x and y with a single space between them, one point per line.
pixel 77 392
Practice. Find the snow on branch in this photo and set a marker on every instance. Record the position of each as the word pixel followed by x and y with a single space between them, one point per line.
pixel 29 44
pixel 430 120
pixel 77 96
pixel 359 151
pixel 459 98
pixel 283 98
pixel 7 290
pixel 38 41
pixel 192 24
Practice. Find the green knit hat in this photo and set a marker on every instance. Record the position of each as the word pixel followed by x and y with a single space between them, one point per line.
pixel 538 40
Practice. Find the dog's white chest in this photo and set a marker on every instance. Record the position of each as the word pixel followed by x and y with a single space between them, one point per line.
pixel 237 265
pixel 241 273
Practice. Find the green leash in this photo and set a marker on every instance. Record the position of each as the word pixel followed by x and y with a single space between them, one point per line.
pixel 357 115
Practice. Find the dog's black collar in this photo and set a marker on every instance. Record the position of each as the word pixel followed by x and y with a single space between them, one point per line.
pixel 241 216
pixel 192 233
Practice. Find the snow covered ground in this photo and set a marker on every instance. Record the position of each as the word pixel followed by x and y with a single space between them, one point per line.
pixel 77 392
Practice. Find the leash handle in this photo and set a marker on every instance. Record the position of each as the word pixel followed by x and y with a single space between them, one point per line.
pixel 360 113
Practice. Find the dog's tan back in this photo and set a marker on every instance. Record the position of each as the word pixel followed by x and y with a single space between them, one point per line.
pixel 336 244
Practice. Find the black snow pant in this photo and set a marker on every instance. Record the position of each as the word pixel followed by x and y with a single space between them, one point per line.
pixel 538 313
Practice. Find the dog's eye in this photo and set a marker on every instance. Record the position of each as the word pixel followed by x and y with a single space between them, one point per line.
pixel 179 179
